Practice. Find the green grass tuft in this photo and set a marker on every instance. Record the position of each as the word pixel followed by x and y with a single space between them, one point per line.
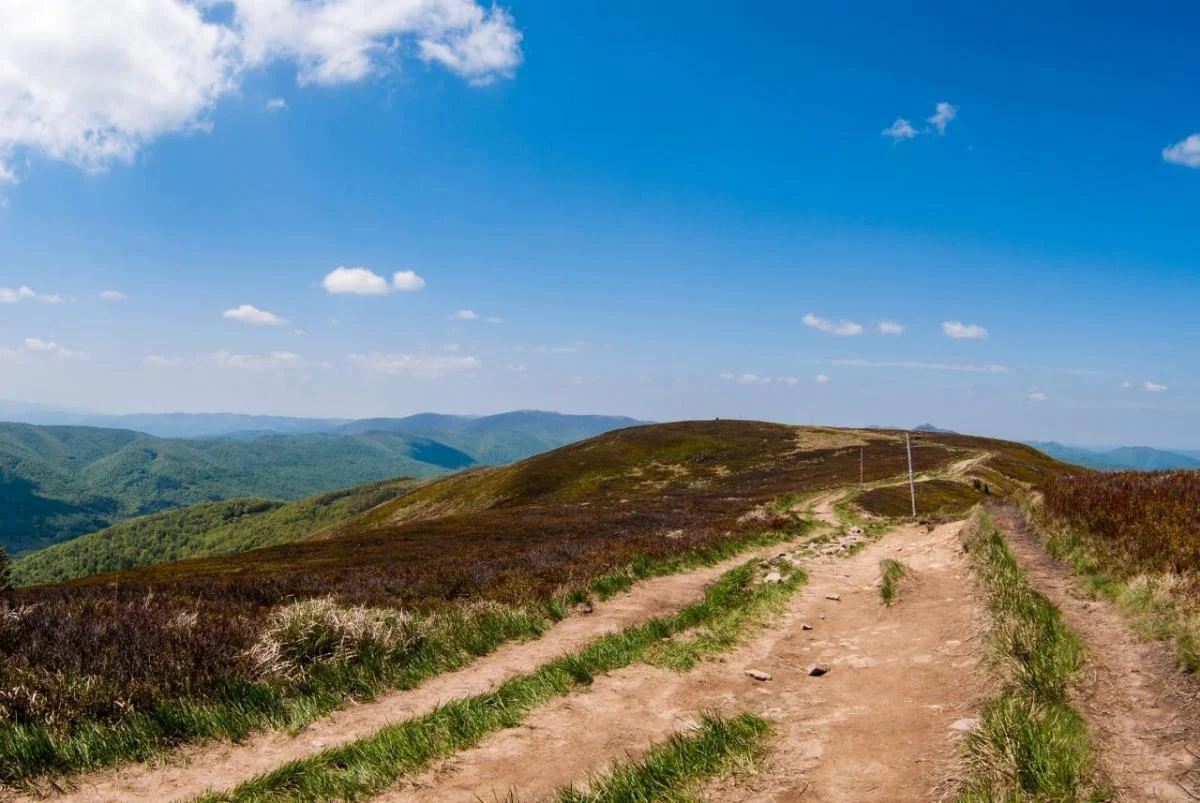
pixel 671 771
pixel 1031 744
pixel 891 573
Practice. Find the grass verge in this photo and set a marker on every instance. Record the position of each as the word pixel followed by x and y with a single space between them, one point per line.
pixel 891 573
pixel 37 757
pixel 369 765
pixel 671 771
pixel 1160 605
pixel 1031 744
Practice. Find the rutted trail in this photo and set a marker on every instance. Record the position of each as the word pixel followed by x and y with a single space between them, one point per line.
pixel 878 726
pixel 198 769
pixel 1143 711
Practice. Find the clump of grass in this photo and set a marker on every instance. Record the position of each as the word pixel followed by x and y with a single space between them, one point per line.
pixel 1031 743
pixel 369 765
pixel 672 770
pixel 891 573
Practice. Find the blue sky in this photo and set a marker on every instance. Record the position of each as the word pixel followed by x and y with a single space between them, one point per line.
pixel 651 197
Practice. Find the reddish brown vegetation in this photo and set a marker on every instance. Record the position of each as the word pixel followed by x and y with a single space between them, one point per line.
pixel 1151 518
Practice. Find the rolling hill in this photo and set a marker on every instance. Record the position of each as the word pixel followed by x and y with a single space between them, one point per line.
pixel 59 482
pixel 212 528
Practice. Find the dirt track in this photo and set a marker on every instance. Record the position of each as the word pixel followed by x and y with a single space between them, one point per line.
pixel 1143 711
pixel 877 727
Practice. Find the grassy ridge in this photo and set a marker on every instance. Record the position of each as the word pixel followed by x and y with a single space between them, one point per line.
pixel 670 771
pixel 934 497
pixel 370 765
pixel 1031 743
pixel 214 528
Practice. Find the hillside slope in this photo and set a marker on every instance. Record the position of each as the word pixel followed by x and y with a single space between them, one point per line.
pixel 212 528
pixel 484 528
pixel 60 482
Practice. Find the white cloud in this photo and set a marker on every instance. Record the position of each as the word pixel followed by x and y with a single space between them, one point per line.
pixel 276 105
pixel 413 365
pixel 890 328
pixel 354 281
pixel 752 379
pixel 38 345
pixel 91 83
pixel 1037 396
pixel 555 349
pixel 944 113
pixel 452 347
pixel 1185 152
pixel 516 369
pixel 900 130
pixel 489 49
pixel 407 281
pixel 299 332
pixel 247 313
pixel 13 355
pixel 465 315
pixel 113 295
pixel 159 361
pixel 24 293
pixel 842 328
pixel 494 319
pixel 1153 387
pixel 790 381
pixel 258 362
pixel 822 379
pixel 970 368
pixel 1126 385
pixel 964 331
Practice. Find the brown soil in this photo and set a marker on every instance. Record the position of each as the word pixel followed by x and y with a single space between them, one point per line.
pixel 877 727
pixel 1144 712
pixel 221 766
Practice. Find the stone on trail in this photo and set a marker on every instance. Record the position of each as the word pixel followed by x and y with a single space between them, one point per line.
pixel 773 577
pixel 965 725
pixel 834 597
pixel 816 670
pixel 806 626
pixel 757 674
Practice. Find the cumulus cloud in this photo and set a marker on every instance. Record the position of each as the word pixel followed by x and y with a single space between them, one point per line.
pixel 38 345
pixel 970 368
pixel 465 315
pixel 258 362
pixel 24 293
pixel 159 361
pixel 406 281
pixel 1186 152
pixel 93 83
pixel 890 328
pixel 113 295
pixel 841 328
pixel 276 105
pixel 900 130
pixel 247 313
pixel 1037 396
pixel 964 331
pixel 366 282
pixel 1153 387
pixel 415 366
pixel 1126 385
pixel 822 379
pixel 943 114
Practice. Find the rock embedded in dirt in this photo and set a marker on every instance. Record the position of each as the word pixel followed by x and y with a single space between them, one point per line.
pixel 773 577
pixel 817 670
pixel 806 626
pixel 758 674
pixel 834 597
pixel 964 725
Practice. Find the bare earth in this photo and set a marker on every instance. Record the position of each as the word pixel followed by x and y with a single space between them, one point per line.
pixel 877 727
pixel 221 766
pixel 1144 712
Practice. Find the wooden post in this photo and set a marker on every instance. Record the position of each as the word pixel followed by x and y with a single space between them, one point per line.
pixel 861 451
pixel 912 485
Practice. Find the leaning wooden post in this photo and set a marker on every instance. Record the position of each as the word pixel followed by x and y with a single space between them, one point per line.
pixel 912 485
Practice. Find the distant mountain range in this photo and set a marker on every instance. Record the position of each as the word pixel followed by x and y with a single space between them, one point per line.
pixel 59 482
pixel 1122 458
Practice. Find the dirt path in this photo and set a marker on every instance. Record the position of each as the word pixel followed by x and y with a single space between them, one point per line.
pixel 877 727
pixel 1143 711
pixel 219 766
